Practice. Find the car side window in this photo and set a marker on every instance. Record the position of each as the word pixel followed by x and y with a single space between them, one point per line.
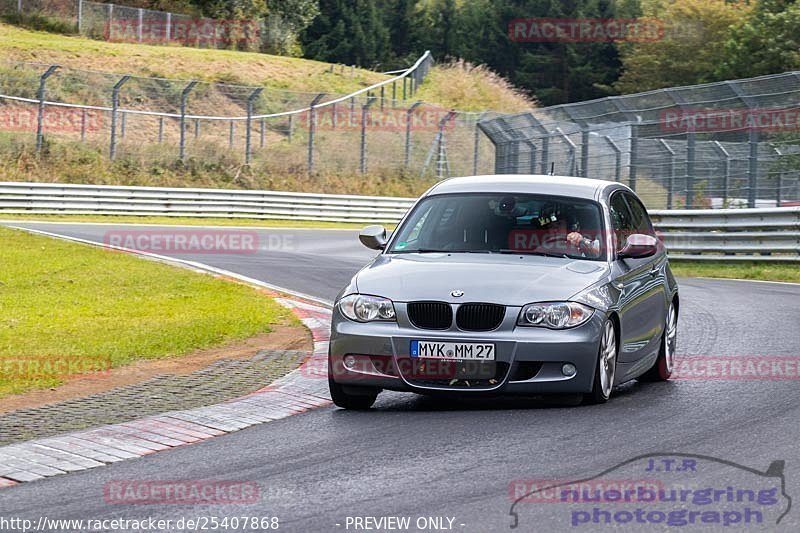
pixel 640 219
pixel 621 220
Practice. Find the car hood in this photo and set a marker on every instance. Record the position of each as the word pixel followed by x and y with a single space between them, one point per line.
pixel 504 279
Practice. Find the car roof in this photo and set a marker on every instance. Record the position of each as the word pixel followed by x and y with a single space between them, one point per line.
pixel 585 188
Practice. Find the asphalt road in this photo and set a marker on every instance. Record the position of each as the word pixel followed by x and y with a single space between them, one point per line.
pixel 431 457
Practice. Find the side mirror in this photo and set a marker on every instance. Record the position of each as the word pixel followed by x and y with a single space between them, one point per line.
pixel 373 237
pixel 638 245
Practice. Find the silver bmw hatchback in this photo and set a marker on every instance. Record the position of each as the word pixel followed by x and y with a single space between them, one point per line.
pixel 508 285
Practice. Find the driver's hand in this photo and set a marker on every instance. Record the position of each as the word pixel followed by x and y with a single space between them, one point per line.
pixel 574 238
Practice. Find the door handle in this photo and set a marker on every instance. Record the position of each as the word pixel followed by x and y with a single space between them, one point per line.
pixel 654 271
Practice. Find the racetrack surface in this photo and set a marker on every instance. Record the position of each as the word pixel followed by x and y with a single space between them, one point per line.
pixel 420 456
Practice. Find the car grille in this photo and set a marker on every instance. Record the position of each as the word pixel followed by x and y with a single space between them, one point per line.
pixel 430 315
pixel 480 317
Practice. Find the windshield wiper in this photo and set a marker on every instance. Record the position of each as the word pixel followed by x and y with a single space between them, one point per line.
pixel 438 251
pixel 534 252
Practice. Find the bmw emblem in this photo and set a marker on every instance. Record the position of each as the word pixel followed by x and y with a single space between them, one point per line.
pixel 456 293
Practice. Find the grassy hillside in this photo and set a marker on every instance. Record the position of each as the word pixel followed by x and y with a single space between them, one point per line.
pixel 458 87
pixel 281 165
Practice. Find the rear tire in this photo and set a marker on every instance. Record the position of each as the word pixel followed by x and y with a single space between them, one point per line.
pixel 606 368
pixel 348 400
pixel 665 363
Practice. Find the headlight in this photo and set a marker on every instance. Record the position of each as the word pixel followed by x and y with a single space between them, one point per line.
pixel 364 308
pixel 554 315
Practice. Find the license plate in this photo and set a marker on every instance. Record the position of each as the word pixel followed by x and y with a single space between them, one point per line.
pixel 460 351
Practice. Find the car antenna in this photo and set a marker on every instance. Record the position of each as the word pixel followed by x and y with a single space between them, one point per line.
pixel 552 168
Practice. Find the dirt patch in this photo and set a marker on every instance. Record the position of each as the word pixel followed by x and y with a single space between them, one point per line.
pixel 282 337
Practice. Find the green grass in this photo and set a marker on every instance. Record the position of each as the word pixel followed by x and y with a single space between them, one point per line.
pixel 461 86
pixel 739 270
pixel 248 68
pixel 64 303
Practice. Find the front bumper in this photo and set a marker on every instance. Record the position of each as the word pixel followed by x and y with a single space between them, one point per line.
pixel 528 359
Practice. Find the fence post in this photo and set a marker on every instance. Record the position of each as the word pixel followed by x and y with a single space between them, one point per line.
pixel 726 169
pixel 671 176
pixel 584 151
pixel 634 170
pixel 752 168
pixel 139 27
pixel 19 6
pixel 383 96
pixel 80 17
pixel 409 120
pixel 572 150
pixel 442 163
pixel 248 152
pixel 394 93
pixel 196 129
pixel 691 155
pixel 160 130
pixel 532 146
pixel 312 126
pixel 110 22
pixel 617 157
pixel 778 179
pixel 364 119
pixel 114 107
pixel 168 33
pixel 476 145
pixel 184 99
pixel 262 133
pixel 405 82
pixel 753 139
pixel 40 115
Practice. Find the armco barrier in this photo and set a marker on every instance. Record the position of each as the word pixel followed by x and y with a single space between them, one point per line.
pixel 771 234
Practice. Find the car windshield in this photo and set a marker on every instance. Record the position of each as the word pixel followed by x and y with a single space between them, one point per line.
pixel 503 223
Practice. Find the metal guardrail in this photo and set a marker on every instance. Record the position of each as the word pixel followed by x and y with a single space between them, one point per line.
pixel 771 234
pixel 49 199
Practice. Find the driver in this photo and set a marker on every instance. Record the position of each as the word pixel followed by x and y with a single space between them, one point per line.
pixel 565 222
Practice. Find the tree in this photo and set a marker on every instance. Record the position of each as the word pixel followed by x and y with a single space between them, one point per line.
pixel 351 32
pixel 692 46
pixel 767 43
pixel 285 20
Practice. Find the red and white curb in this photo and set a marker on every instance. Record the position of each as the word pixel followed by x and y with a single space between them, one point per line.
pixel 303 389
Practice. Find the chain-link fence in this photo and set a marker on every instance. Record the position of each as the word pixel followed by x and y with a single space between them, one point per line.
pixel 377 130
pixel 728 144
pixel 117 23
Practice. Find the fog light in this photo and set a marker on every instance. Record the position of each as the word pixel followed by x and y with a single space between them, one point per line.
pixel 568 370
pixel 349 362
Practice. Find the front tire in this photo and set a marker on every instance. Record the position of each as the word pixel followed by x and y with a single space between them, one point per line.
pixel 348 400
pixel 665 364
pixel 606 367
